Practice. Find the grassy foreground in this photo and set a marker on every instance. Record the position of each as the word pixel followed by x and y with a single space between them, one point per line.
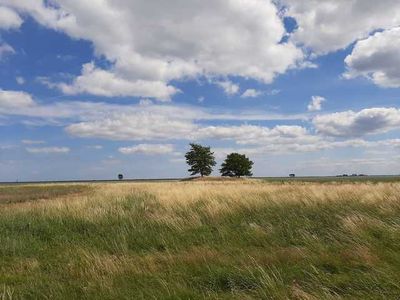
pixel 196 240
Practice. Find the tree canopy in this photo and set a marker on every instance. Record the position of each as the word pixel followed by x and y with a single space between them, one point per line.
pixel 200 159
pixel 236 165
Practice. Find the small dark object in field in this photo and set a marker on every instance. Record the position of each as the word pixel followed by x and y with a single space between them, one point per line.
pixel 120 176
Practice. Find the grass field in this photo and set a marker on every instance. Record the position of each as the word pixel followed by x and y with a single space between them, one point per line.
pixel 249 239
pixel 15 194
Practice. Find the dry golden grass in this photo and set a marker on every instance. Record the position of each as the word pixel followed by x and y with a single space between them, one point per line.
pixel 219 198
pixel 184 193
pixel 165 201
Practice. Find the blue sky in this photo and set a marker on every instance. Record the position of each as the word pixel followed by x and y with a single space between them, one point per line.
pixel 90 90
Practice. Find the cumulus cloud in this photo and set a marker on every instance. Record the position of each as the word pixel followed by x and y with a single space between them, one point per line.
pixel 229 87
pixel 170 122
pixel 9 19
pixel 48 150
pixel 255 135
pixel 316 103
pixel 135 126
pixel 287 138
pixel 354 124
pixel 105 83
pixel 376 58
pixel 173 123
pixel 15 99
pixel 251 93
pixel 148 149
pixel 330 25
pixel 153 122
pixel 149 44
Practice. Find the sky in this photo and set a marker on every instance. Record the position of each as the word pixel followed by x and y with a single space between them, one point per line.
pixel 91 89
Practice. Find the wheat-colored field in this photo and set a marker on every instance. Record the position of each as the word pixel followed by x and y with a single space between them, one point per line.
pixel 242 239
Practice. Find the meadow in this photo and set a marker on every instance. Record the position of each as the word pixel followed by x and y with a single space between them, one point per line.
pixel 244 239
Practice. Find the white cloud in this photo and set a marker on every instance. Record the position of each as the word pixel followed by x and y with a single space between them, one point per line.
pixel 377 58
pixel 316 103
pixel 294 146
pixel 251 93
pixel 32 142
pixel 72 111
pixel 171 122
pixel 148 149
pixel 256 135
pixel 9 19
pixel 155 122
pixel 48 150
pixel 105 83
pixel 7 147
pixel 394 143
pixel 135 126
pixel 5 49
pixel 350 123
pixel 20 80
pixel 161 127
pixel 150 44
pixel 168 122
pixel 15 99
pixel 229 87
pixel 95 147
pixel 273 92
pixel 330 25
pixel 145 102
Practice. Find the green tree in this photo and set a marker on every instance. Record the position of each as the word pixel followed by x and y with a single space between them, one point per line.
pixel 236 165
pixel 200 159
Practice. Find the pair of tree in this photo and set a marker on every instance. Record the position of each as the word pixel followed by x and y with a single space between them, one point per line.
pixel 201 161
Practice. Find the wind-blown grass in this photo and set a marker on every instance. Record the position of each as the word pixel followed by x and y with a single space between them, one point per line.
pixel 195 240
